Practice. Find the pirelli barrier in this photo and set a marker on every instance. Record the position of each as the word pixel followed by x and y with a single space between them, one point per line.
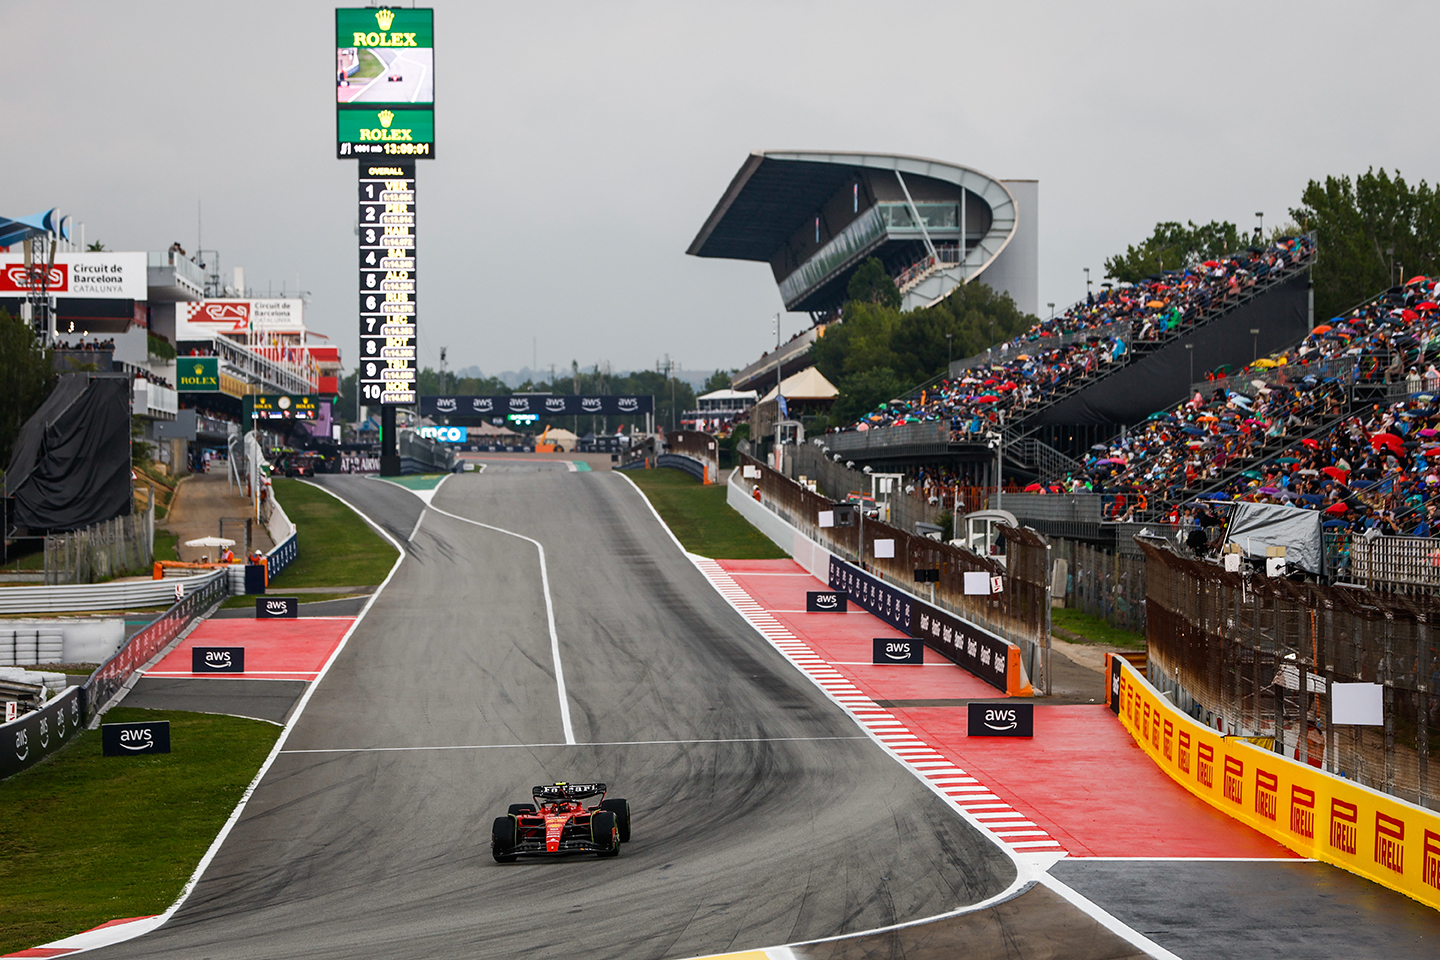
pixel 1316 814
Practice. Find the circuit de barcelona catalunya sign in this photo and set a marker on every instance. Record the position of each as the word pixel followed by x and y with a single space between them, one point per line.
pixel 541 404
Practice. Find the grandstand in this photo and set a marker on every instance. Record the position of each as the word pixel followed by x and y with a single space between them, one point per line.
pixel 815 217
pixel 1074 380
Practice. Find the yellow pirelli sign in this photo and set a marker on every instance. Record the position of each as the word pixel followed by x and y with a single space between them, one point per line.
pixel 1314 813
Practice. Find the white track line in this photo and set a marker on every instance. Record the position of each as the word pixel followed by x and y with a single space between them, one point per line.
pixel 598 743
pixel 565 723
pixel 96 939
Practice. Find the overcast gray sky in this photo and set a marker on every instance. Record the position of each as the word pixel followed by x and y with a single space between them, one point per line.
pixel 581 145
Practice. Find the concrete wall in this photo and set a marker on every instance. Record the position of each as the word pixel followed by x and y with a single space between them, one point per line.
pixel 1017 270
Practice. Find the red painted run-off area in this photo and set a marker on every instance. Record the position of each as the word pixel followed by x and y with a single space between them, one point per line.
pixel 1082 778
pixel 274 649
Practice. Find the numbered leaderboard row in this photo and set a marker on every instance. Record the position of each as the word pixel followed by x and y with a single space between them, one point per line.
pixel 388 368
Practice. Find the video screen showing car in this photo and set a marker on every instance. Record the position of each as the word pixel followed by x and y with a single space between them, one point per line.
pixel 370 75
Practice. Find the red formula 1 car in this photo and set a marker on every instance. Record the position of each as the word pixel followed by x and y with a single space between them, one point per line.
pixel 559 822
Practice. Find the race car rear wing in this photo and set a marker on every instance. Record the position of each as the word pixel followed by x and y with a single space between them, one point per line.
pixel 568 791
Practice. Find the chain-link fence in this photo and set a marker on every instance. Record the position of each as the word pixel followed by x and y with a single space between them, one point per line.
pixel 1105 584
pixel 1019 613
pixel 124 545
pixel 1257 657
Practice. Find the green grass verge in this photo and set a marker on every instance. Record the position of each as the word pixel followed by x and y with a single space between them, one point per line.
pixel 85 838
pixel 337 548
pixel 167 545
pixel 1095 630
pixel 370 66
pixel 701 519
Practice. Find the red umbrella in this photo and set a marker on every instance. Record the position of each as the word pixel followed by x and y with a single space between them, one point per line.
pixel 1387 440
pixel 1212 263
pixel 1034 488
pixel 1335 473
pixel 1409 316
pixel 1414 280
pixel 1426 305
pixel 1312 444
pixel 988 398
pixel 1336 508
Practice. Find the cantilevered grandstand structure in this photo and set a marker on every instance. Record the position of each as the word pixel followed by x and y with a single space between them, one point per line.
pixel 816 216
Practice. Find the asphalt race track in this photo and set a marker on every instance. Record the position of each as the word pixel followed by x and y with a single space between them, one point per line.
pixel 761 816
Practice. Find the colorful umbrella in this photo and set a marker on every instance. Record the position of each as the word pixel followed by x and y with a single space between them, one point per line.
pixel 1336 509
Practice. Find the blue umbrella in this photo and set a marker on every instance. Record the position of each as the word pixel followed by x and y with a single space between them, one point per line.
pixel 1332 524
pixel 1214 496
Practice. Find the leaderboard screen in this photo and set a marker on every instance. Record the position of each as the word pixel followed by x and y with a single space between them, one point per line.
pixel 384 83
pixel 387 282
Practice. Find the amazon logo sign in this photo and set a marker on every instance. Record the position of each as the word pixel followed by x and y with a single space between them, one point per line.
pixel 135 739
pixel 1001 719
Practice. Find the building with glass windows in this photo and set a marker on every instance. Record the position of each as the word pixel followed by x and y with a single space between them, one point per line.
pixel 814 217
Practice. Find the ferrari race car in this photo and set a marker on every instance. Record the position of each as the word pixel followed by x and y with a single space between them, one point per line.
pixel 559 822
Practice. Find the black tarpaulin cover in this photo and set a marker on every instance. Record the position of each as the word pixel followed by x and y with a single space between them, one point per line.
pixel 71 463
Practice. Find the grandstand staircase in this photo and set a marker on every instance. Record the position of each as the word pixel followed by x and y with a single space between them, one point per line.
pixel 1032 457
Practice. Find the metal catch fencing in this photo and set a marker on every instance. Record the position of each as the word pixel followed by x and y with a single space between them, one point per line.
pixel 107 549
pixel 1257 657
pixel 1017 613
pixel 1105 584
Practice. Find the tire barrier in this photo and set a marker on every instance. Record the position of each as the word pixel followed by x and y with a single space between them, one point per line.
pixel 1382 838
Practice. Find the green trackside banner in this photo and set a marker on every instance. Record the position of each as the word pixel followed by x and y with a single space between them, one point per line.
pixel 385 28
pixel 197 375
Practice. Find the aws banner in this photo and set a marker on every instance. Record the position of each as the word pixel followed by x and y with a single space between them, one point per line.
pixel 31 738
pixel 541 404
pixel 1317 815
pixel 991 658
pixel 893 606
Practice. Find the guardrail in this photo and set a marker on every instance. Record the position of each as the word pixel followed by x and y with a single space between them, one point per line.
pixel 113 674
pixel 679 461
pixel 94 596
pixel 283 555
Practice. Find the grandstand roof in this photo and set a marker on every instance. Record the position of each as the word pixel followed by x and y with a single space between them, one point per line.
pixel 776 190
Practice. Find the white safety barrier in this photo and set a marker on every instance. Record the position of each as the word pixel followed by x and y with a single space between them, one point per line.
pixel 99 596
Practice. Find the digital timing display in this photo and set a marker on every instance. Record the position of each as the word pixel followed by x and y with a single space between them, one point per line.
pixel 387 282
pixel 384 83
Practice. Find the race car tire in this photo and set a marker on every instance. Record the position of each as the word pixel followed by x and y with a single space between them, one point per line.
pixel 502 840
pixel 604 833
pixel 521 808
pixel 621 809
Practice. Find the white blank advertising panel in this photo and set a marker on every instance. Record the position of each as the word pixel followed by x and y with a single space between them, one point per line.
pixel 1359 704
pixel 884 548
pixel 977 583
pixel 827 518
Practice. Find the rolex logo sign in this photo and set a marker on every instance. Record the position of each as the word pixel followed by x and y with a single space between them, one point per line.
pixel 384 132
pixel 198 375
pixel 383 18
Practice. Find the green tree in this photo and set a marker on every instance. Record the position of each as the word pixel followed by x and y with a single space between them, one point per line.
pixel 27 375
pixel 871 284
pixel 96 247
pixel 862 392
pixel 1367 231
pixel 1174 247
pixel 719 380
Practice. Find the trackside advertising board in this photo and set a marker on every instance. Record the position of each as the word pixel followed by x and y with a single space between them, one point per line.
pixel 991 658
pixel 1382 838
pixel 26 741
